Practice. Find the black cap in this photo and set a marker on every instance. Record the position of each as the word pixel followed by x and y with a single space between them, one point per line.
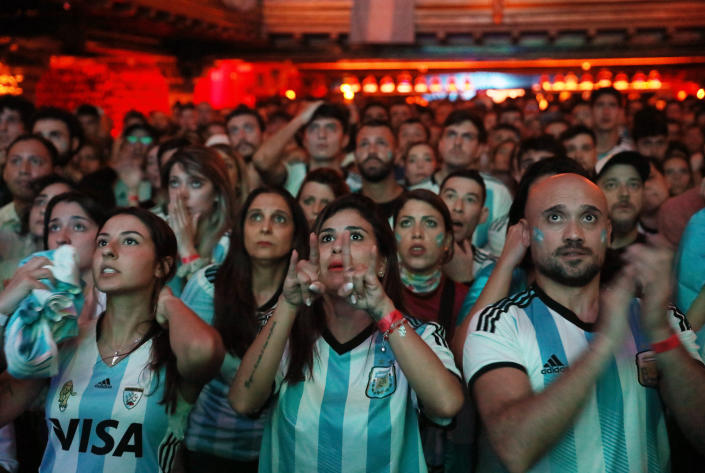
pixel 630 158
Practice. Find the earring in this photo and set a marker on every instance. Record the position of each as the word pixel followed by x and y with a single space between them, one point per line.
pixel 380 274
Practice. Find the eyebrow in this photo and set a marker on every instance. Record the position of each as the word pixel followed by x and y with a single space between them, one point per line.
pixel 255 209
pixel 562 208
pixel 72 217
pixel 349 227
pixel 128 232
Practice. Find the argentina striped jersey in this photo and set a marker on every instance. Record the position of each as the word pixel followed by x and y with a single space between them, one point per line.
pixel 621 427
pixel 108 419
pixel 356 413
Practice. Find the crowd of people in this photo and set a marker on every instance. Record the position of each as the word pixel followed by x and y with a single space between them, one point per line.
pixel 382 287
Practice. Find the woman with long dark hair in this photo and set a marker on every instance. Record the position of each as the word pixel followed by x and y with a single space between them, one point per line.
pixel 125 383
pixel 345 391
pixel 237 298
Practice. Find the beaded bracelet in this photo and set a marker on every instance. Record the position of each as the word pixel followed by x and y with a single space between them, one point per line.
pixel 399 324
pixel 665 345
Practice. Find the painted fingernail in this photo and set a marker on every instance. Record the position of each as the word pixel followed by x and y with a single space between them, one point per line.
pixel 353 299
pixel 314 288
pixel 348 286
pixel 307 301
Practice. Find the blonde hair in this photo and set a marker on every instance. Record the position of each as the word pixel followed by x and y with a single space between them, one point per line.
pixel 197 159
pixel 241 187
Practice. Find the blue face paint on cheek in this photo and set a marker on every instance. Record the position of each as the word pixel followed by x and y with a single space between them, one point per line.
pixel 537 235
pixel 440 238
pixel 603 236
pixel 398 237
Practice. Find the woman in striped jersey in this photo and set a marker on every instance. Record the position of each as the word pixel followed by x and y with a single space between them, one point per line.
pixel 125 384
pixel 346 391
pixel 237 298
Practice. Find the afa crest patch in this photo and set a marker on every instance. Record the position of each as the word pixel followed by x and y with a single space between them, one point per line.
pixel 131 397
pixel 382 382
pixel 647 370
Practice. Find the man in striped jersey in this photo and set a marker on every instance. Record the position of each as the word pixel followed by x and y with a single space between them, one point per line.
pixel 559 388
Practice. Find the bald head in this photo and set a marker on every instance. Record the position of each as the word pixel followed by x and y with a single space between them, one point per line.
pixel 562 189
pixel 568 228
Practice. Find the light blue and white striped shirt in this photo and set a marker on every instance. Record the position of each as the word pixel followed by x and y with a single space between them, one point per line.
pixel 356 413
pixel 214 427
pixel 621 427
pixel 108 419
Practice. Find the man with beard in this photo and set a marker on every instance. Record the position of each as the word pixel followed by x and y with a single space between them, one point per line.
pixel 15 120
pixel 374 157
pixel 622 180
pixel 245 127
pixel 29 157
pixel 552 369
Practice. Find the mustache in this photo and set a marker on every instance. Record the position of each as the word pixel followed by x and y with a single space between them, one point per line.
pixel 244 142
pixel 572 246
pixel 372 156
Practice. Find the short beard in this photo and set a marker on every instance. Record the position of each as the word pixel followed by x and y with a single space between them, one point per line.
pixel 554 271
pixel 378 175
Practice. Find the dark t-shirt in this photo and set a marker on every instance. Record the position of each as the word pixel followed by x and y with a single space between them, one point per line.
pixel 386 209
pixel 427 307
pixel 614 262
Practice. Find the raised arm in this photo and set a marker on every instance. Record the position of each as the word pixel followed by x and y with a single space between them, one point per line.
pixel 438 390
pixel 522 425
pixel 197 346
pixel 498 284
pixel 268 159
pixel 681 377
pixel 252 385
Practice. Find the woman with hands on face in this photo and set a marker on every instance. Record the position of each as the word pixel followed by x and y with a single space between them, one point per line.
pixel 71 218
pixel 200 209
pixel 353 380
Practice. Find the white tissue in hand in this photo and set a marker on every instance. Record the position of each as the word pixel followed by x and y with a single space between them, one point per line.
pixel 64 267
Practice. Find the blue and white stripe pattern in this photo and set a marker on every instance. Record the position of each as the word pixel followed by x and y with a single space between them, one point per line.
pixel 356 413
pixel 214 427
pixel 621 427
pixel 109 419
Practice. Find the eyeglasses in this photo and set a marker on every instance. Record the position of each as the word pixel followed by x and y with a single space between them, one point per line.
pixel 145 140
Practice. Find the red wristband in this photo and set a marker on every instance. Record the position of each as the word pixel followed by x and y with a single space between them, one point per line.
pixel 665 345
pixel 385 322
pixel 188 259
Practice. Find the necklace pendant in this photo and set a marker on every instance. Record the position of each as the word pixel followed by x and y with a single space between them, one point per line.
pixel 116 355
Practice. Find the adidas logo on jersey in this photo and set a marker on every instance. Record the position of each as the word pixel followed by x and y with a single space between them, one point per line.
pixel 553 366
pixel 105 384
